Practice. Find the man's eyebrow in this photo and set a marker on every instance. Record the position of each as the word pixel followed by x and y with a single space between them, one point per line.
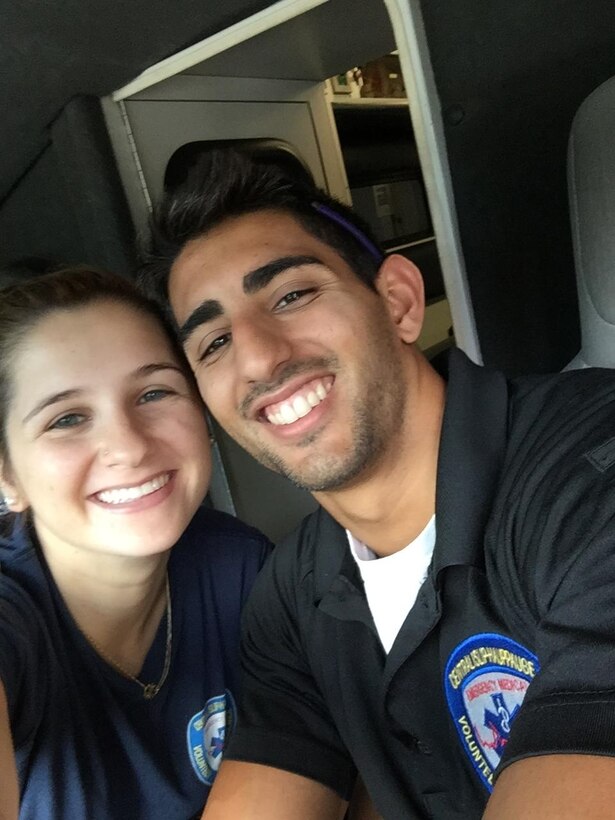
pixel 205 312
pixel 73 393
pixel 252 282
pixel 259 278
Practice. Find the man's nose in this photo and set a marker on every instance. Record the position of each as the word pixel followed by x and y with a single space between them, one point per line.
pixel 123 441
pixel 260 346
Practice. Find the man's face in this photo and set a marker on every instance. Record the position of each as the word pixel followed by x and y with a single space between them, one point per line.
pixel 294 356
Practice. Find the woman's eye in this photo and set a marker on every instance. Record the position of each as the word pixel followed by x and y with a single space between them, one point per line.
pixel 294 296
pixel 154 395
pixel 214 347
pixel 66 421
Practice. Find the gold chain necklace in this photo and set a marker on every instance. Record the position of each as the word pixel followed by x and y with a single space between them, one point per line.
pixel 150 690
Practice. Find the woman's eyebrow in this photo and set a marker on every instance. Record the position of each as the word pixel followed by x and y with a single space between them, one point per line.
pixel 54 398
pixel 49 400
pixel 154 367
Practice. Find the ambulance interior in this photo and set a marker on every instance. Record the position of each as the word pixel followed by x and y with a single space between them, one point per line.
pixel 446 125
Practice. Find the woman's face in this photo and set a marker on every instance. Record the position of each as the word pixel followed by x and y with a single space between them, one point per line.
pixel 107 442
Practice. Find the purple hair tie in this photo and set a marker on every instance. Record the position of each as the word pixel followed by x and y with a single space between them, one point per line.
pixel 367 244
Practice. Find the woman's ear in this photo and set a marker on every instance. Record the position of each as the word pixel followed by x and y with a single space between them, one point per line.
pixel 400 284
pixel 8 488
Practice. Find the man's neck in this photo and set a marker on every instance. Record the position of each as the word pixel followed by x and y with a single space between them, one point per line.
pixel 395 497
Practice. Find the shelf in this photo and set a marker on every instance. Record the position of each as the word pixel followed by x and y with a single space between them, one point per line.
pixel 369 102
pixel 413 244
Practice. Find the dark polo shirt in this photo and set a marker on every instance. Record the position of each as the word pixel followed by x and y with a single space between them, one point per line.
pixel 508 650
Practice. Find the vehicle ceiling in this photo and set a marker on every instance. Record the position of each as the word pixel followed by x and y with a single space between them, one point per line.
pixel 52 51
pixel 509 78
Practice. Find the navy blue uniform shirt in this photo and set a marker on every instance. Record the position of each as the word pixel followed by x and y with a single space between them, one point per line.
pixel 88 745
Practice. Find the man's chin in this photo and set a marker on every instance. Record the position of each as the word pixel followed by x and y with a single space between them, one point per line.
pixel 311 465
pixel 325 475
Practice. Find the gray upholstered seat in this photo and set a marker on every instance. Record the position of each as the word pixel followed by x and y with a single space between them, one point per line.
pixel 591 186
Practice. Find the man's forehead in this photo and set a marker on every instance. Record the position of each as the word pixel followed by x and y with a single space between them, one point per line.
pixel 198 263
pixel 246 230
pixel 230 250
pixel 235 237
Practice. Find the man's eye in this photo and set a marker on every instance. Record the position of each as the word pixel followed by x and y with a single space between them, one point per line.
pixel 155 394
pixel 294 296
pixel 66 421
pixel 214 347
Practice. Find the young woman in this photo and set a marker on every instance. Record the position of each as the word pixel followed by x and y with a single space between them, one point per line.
pixel 120 594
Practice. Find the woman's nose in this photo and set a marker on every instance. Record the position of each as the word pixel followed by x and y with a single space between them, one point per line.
pixel 123 443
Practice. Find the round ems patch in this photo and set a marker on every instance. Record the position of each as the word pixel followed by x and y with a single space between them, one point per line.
pixel 206 733
pixel 486 679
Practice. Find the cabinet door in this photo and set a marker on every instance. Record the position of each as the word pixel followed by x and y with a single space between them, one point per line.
pixel 159 128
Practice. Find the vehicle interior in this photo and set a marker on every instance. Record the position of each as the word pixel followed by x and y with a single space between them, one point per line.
pixel 446 125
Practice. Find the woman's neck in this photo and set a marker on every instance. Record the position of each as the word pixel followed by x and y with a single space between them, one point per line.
pixel 116 601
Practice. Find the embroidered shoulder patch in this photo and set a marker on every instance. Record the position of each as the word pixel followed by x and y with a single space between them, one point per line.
pixel 485 681
pixel 206 734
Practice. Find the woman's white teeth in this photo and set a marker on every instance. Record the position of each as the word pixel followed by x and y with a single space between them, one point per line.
pixel 123 495
pixel 296 408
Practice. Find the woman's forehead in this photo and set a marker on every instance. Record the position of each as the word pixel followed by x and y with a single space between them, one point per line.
pixel 88 343
pixel 105 317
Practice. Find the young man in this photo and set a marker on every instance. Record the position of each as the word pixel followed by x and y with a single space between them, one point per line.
pixel 370 645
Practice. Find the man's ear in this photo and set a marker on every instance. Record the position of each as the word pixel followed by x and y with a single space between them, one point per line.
pixel 13 498
pixel 400 284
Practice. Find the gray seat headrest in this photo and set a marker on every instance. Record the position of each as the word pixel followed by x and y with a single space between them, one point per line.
pixel 591 188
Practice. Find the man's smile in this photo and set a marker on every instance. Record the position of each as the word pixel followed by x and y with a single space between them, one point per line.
pixel 300 403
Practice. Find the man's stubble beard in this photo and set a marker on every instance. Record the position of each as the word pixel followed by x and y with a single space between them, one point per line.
pixel 377 414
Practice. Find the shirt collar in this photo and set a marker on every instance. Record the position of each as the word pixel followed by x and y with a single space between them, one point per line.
pixel 472 446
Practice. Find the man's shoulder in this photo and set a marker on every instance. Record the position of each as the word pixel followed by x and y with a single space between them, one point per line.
pixel 318 533
pixel 573 408
pixel 556 491
pixel 313 550
pixel 576 406
pixel 527 393
pixel 592 386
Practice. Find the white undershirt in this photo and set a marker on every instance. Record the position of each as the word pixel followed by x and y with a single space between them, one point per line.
pixel 393 582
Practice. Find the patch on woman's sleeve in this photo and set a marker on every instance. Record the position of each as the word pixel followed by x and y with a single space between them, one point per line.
pixel 206 733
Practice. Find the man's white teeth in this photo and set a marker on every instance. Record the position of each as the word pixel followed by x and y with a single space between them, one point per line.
pixel 298 406
pixel 122 495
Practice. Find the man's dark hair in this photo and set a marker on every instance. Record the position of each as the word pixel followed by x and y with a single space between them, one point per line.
pixel 226 183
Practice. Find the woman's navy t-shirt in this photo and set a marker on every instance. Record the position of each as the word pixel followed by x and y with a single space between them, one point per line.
pixel 87 743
